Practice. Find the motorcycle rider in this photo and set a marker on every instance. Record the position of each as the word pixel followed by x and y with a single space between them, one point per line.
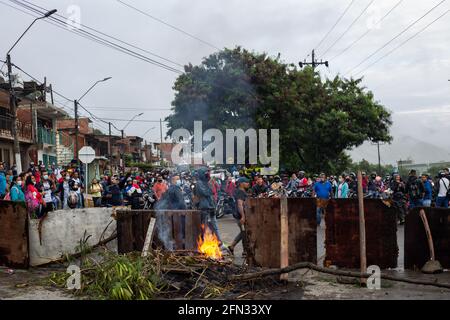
pixel 259 188
pixel 293 183
pixel 303 185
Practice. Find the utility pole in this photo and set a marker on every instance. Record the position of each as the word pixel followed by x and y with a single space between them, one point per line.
pixel 109 141
pixel 122 162
pixel 75 151
pixel 13 109
pixel 314 63
pixel 379 155
pixel 160 146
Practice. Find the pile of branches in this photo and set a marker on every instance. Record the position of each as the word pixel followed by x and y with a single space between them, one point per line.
pixel 159 275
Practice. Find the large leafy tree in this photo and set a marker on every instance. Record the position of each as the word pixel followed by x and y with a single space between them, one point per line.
pixel 318 119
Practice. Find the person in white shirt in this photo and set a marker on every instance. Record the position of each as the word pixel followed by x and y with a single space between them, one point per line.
pixel 442 188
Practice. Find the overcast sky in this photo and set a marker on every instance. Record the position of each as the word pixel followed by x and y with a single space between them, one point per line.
pixel 412 82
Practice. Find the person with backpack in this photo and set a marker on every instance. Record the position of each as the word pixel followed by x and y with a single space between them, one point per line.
pixel 415 190
pixel 442 190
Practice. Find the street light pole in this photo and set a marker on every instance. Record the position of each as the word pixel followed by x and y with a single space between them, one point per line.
pixel 76 102
pixel 122 132
pixel 12 95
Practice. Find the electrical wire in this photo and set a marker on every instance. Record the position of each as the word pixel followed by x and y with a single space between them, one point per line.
pixel 349 27
pixel 85 34
pixel 397 36
pixel 367 32
pixel 404 42
pixel 112 37
pixel 334 26
pixel 168 25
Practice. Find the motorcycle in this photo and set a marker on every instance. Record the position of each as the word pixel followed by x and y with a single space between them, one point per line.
pixel 225 205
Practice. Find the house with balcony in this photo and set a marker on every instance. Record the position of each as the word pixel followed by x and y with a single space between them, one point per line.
pixel 36 125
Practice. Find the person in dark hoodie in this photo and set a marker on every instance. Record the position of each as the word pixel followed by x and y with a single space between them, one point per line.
pixel 206 204
pixel 415 190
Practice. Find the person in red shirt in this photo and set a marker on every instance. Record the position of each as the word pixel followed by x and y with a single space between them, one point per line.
pixel 33 197
pixel 159 188
pixel 230 186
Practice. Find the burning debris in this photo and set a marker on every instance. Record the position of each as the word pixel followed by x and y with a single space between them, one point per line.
pixel 209 244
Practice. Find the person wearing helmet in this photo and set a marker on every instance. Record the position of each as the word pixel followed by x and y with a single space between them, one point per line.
pixel 277 184
pixel 415 190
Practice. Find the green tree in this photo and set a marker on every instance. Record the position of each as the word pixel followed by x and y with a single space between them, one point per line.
pixel 318 119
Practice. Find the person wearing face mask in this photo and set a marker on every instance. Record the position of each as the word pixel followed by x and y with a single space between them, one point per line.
pixel 342 188
pixel 173 199
pixel 16 192
pixel 33 198
pixel 48 187
pixel 277 184
pixel 64 190
pixel 133 193
pixel 159 188
pixel 322 191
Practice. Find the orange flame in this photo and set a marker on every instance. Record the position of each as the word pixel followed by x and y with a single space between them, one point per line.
pixel 209 245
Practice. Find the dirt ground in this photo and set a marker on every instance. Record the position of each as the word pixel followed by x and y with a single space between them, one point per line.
pixel 303 284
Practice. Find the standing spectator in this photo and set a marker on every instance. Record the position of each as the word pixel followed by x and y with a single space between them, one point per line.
pixel 2 181
pixel 114 194
pixel 428 194
pixel 230 186
pixel 415 190
pixel 16 192
pixel 96 191
pixel 240 196
pixel 342 189
pixel 159 188
pixel 322 191
pixel 79 189
pixel 48 187
pixel 398 190
pixel 33 198
pixel 64 190
pixel 442 189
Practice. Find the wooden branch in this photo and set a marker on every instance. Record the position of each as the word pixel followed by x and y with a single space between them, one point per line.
pixel 309 265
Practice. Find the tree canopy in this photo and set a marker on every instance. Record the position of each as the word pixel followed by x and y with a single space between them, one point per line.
pixel 319 119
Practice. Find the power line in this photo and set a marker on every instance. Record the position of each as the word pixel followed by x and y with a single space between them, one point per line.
pixel 169 25
pixel 349 27
pixel 112 37
pixel 85 34
pixel 404 42
pixel 130 109
pixel 368 31
pixel 334 26
pixel 396 37
pixel 136 120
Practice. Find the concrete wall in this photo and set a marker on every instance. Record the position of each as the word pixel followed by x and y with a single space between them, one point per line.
pixel 63 229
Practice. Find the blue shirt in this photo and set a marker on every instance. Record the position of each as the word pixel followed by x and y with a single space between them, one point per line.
pixel 323 189
pixel 428 190
pixel 2 183
pixel 17 194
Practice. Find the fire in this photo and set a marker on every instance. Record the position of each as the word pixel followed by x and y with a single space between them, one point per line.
pixel 209 245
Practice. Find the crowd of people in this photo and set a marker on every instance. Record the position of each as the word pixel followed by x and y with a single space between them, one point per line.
pixel 44 189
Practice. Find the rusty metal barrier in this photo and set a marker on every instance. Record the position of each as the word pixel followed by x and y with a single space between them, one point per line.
pixel 342 233
pixel 264 231
pixel 417 252
pixel 132 225
pixel 14 251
